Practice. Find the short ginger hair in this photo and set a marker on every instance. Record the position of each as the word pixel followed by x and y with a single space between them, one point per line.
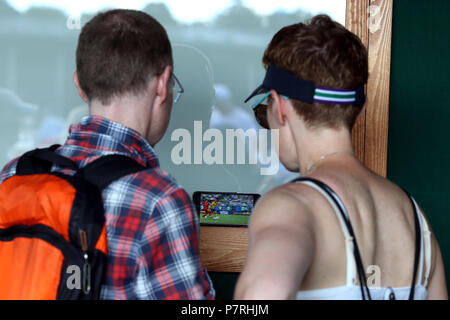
pixel 326 53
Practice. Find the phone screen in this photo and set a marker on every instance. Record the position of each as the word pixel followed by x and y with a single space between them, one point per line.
pixel 224 209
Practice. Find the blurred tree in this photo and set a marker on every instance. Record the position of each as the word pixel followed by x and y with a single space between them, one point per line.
pixel 280 19
pixel 302 16
pixel 46 14
pixel 6 10
pixel 239 16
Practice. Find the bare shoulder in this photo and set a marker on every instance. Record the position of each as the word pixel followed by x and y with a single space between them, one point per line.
pixel 288 205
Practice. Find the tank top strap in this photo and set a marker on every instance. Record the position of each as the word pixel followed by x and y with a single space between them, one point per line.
pixel 351 271
pixel 425 250
pixel 354 264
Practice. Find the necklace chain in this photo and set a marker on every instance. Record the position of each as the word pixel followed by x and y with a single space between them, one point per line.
pixel 327 156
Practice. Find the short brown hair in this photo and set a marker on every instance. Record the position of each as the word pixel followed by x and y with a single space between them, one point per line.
pixel 326 53
pixel 118 51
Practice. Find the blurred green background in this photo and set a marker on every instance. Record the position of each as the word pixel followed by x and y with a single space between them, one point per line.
pixel 419 115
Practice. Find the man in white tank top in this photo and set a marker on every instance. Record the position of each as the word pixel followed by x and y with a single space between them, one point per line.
pixel 318 238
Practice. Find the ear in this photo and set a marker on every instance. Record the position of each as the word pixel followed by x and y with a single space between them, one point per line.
pixel 80 91
pixel 163 85
pixel 279 107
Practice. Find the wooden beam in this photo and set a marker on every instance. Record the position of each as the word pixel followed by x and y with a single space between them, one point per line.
pixel 356 20
pixel 223 249
pixel 377 111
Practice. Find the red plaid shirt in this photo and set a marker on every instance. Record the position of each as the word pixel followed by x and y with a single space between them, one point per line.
pixel 152 229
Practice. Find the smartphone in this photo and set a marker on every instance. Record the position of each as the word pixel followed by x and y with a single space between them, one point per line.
pixel 224 208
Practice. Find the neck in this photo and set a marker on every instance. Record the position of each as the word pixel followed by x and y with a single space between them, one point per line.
pixel 130 111
pixel 318 146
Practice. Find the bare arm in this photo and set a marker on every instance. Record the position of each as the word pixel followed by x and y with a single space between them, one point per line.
pixel 281 248
pixel 437 287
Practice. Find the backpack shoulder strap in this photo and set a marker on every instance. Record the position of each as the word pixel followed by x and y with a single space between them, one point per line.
pixel 100 172
pixel 106 169
pixel 418 247
pixel 41 161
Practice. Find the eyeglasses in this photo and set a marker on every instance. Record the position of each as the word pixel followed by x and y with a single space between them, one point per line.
pixel 177 88
pixel 260 109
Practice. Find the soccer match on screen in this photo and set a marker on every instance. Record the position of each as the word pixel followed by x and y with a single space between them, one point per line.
pixel 231 209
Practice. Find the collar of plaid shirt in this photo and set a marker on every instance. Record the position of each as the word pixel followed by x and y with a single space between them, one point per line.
pixel 112 136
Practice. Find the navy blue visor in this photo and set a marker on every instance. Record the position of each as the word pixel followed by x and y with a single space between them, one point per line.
pixel 293 87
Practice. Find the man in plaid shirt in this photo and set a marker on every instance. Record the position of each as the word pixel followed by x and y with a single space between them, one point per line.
pixel 124 72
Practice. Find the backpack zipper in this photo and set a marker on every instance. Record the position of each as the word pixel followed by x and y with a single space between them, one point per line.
pixel 86 281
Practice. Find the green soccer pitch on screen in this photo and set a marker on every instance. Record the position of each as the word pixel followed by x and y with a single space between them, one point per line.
pixel 224 208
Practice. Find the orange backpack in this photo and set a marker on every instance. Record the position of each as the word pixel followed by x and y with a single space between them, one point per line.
pixel 52 227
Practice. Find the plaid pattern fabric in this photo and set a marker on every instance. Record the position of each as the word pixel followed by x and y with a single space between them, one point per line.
pixel 152 229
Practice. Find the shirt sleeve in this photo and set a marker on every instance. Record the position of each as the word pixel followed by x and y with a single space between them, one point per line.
pixel 169 265
pixel 8 170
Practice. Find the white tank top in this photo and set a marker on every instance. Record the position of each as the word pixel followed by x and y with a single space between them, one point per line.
pixel 352 289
